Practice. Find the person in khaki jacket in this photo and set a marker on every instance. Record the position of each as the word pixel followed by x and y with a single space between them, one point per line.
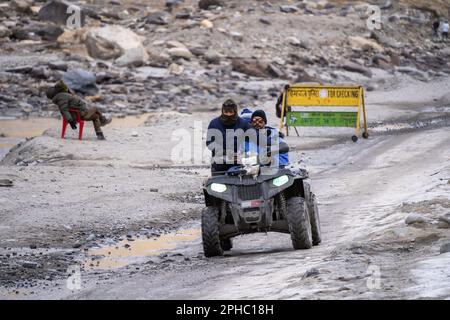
pixel 63 97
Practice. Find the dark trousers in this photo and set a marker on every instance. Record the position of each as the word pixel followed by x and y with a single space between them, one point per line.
pixel 94 115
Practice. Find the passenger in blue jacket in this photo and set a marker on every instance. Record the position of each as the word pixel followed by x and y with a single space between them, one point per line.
pixel 224 151
pixel 275 144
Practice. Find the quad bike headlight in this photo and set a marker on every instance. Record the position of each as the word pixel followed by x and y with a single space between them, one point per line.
pixel 278 182
pixel 218 187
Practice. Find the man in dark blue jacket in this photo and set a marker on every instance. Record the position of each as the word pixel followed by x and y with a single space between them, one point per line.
pixel 228 124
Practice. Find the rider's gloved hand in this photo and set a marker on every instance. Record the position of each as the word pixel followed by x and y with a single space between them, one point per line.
pixel 264 158
pixel 73 124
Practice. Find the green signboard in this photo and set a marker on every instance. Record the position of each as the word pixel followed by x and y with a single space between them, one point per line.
pixel 321 119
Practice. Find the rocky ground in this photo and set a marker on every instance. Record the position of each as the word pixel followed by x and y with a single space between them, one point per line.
pixel 125 212
pixel 129 57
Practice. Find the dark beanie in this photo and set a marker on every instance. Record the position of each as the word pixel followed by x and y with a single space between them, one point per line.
pixel 60 86
pixel 260 113
pixel 51 92
pixel 229 104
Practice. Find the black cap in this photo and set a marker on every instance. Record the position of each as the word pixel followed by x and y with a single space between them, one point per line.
pixel 260 113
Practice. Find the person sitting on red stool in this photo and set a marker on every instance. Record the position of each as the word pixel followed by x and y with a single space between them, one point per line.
pixel 63 97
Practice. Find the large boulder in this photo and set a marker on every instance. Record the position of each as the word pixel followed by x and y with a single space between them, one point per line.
pixel 159 18
pixel 49 32
pixel 20 33
pixel 207 24
pixel 251 67
pixel 445 52
pixel 385 40
pixel 206 4
pixel 172 3
pixel 304 76
pixel 180 52
pixel 382 61
pixel 414 72
pixel 23 6
pixel 414 218
pixel 360 43
pixel 395 58
pixel 56 11
pixel 212 56
pixel 133 57
pixel 257 68
pixel 81 81
pixel 4 32
pixel 355 67
pixel 275 72
pixel 445 101
pixel 116 42
pixel 288 9
pixel 444 248
pixel 445 218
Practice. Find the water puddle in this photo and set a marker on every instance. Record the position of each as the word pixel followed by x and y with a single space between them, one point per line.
pixel 441 109
pixel 392 127
pixel 127 252
pixel 12 130
pixel 26 128
pixel 6 145
pixel 33 127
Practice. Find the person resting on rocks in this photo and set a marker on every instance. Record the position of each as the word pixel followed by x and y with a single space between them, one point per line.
pixel 65 99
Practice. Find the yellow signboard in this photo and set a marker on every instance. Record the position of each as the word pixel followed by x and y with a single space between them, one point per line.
pixel 324 96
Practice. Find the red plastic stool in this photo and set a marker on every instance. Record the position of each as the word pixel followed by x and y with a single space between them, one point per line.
pixel 79 120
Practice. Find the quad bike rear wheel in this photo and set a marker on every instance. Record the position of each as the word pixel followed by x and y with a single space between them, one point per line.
pixel 315 221
pixel 299 223
pixel 210 232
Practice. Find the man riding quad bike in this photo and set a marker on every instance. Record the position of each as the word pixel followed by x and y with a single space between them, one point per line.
pixel 250 197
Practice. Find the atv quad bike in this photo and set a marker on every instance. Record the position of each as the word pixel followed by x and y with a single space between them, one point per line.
pixel 242 202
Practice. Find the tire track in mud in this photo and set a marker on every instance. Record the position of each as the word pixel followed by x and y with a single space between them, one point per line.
pixel 362 225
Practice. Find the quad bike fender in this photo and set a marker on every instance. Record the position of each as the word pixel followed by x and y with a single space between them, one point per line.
pixel 294 188
pixel 214 198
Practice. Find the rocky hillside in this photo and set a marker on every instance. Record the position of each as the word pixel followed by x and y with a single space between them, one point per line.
pixel 131 56
pixel 440 7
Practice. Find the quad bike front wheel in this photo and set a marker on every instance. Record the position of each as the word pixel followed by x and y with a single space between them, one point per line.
pixel 210 232
pixel 299 223
pixel 226 244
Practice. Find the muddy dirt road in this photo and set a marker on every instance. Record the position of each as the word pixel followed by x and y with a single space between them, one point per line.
pixel 120 220
pixel 364 199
